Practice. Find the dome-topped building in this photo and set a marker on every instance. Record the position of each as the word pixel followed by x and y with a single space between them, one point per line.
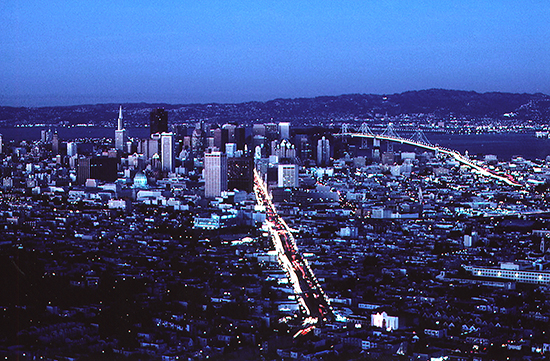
pixel 140 180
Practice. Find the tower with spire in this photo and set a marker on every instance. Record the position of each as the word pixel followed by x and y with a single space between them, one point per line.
pixel 120 125
pixel 120 132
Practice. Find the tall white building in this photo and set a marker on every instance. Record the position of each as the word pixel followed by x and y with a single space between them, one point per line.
pixel 288 175
pixel 167 151
pixel 215 174
pixel 284 130
pixel 323 152
pixel 71 148
pixel 120 133
pixel 120 121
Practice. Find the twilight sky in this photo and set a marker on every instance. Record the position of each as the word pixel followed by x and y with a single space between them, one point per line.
pixel 79 52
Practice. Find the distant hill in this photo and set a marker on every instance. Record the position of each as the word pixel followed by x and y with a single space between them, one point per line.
pixel 439 102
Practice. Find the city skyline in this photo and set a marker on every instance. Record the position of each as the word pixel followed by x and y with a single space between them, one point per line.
pixel 224 241
pixel 230 52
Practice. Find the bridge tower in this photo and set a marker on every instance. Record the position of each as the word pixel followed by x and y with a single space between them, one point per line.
pixel 345 128
pixel 420 137
pixel 391 133
pixel 365 130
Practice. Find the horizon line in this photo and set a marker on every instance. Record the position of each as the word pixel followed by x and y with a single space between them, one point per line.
pixel 240 102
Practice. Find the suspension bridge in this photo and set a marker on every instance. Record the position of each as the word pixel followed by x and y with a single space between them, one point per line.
pixel 420 140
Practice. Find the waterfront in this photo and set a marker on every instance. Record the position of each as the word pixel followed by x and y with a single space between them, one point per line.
pixel 504 145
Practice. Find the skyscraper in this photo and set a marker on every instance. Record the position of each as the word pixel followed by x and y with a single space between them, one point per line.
pixel 240 173
pixel 288 175
pixel 323 152
pixel 284 130
pixel 303 148
pixel 258 129
pixel 271 131
pixel 158 121
pixel 72 149
pixel 240 137
pixel 120 133
pixel 55 143
pixel 228 135
pixel 218 138
pixel 197 138
pixel 167 150
pixel 215 174
pixel 120 121
pixel 153 145
pixel 46 136
pixel 284 150
pixel 103 168
pixel 83 171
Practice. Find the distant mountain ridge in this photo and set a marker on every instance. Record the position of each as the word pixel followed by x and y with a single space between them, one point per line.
pixel 440 102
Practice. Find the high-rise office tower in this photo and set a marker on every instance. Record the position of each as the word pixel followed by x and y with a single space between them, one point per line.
pixel 323 152
pixel 72 149
pixel 167 150
pixel 258 129
pixel 288 175
pixel 240 173
pixel 271 131
pixel 303 148
pixel 158 121
pixel 218 138
pixel 156 162
pixel 230 128
pixel 120 133
pixel 240 137
pixel 120 139
pixel 228 135
pixel 103 168
pixel 83 171
pixel 197 143
pixel 46 136
pixel 285 150
pixel 130 147
pixel 1 144
pixel 284 130
pixel 215 174
pixel 55 143
pixel 153 145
